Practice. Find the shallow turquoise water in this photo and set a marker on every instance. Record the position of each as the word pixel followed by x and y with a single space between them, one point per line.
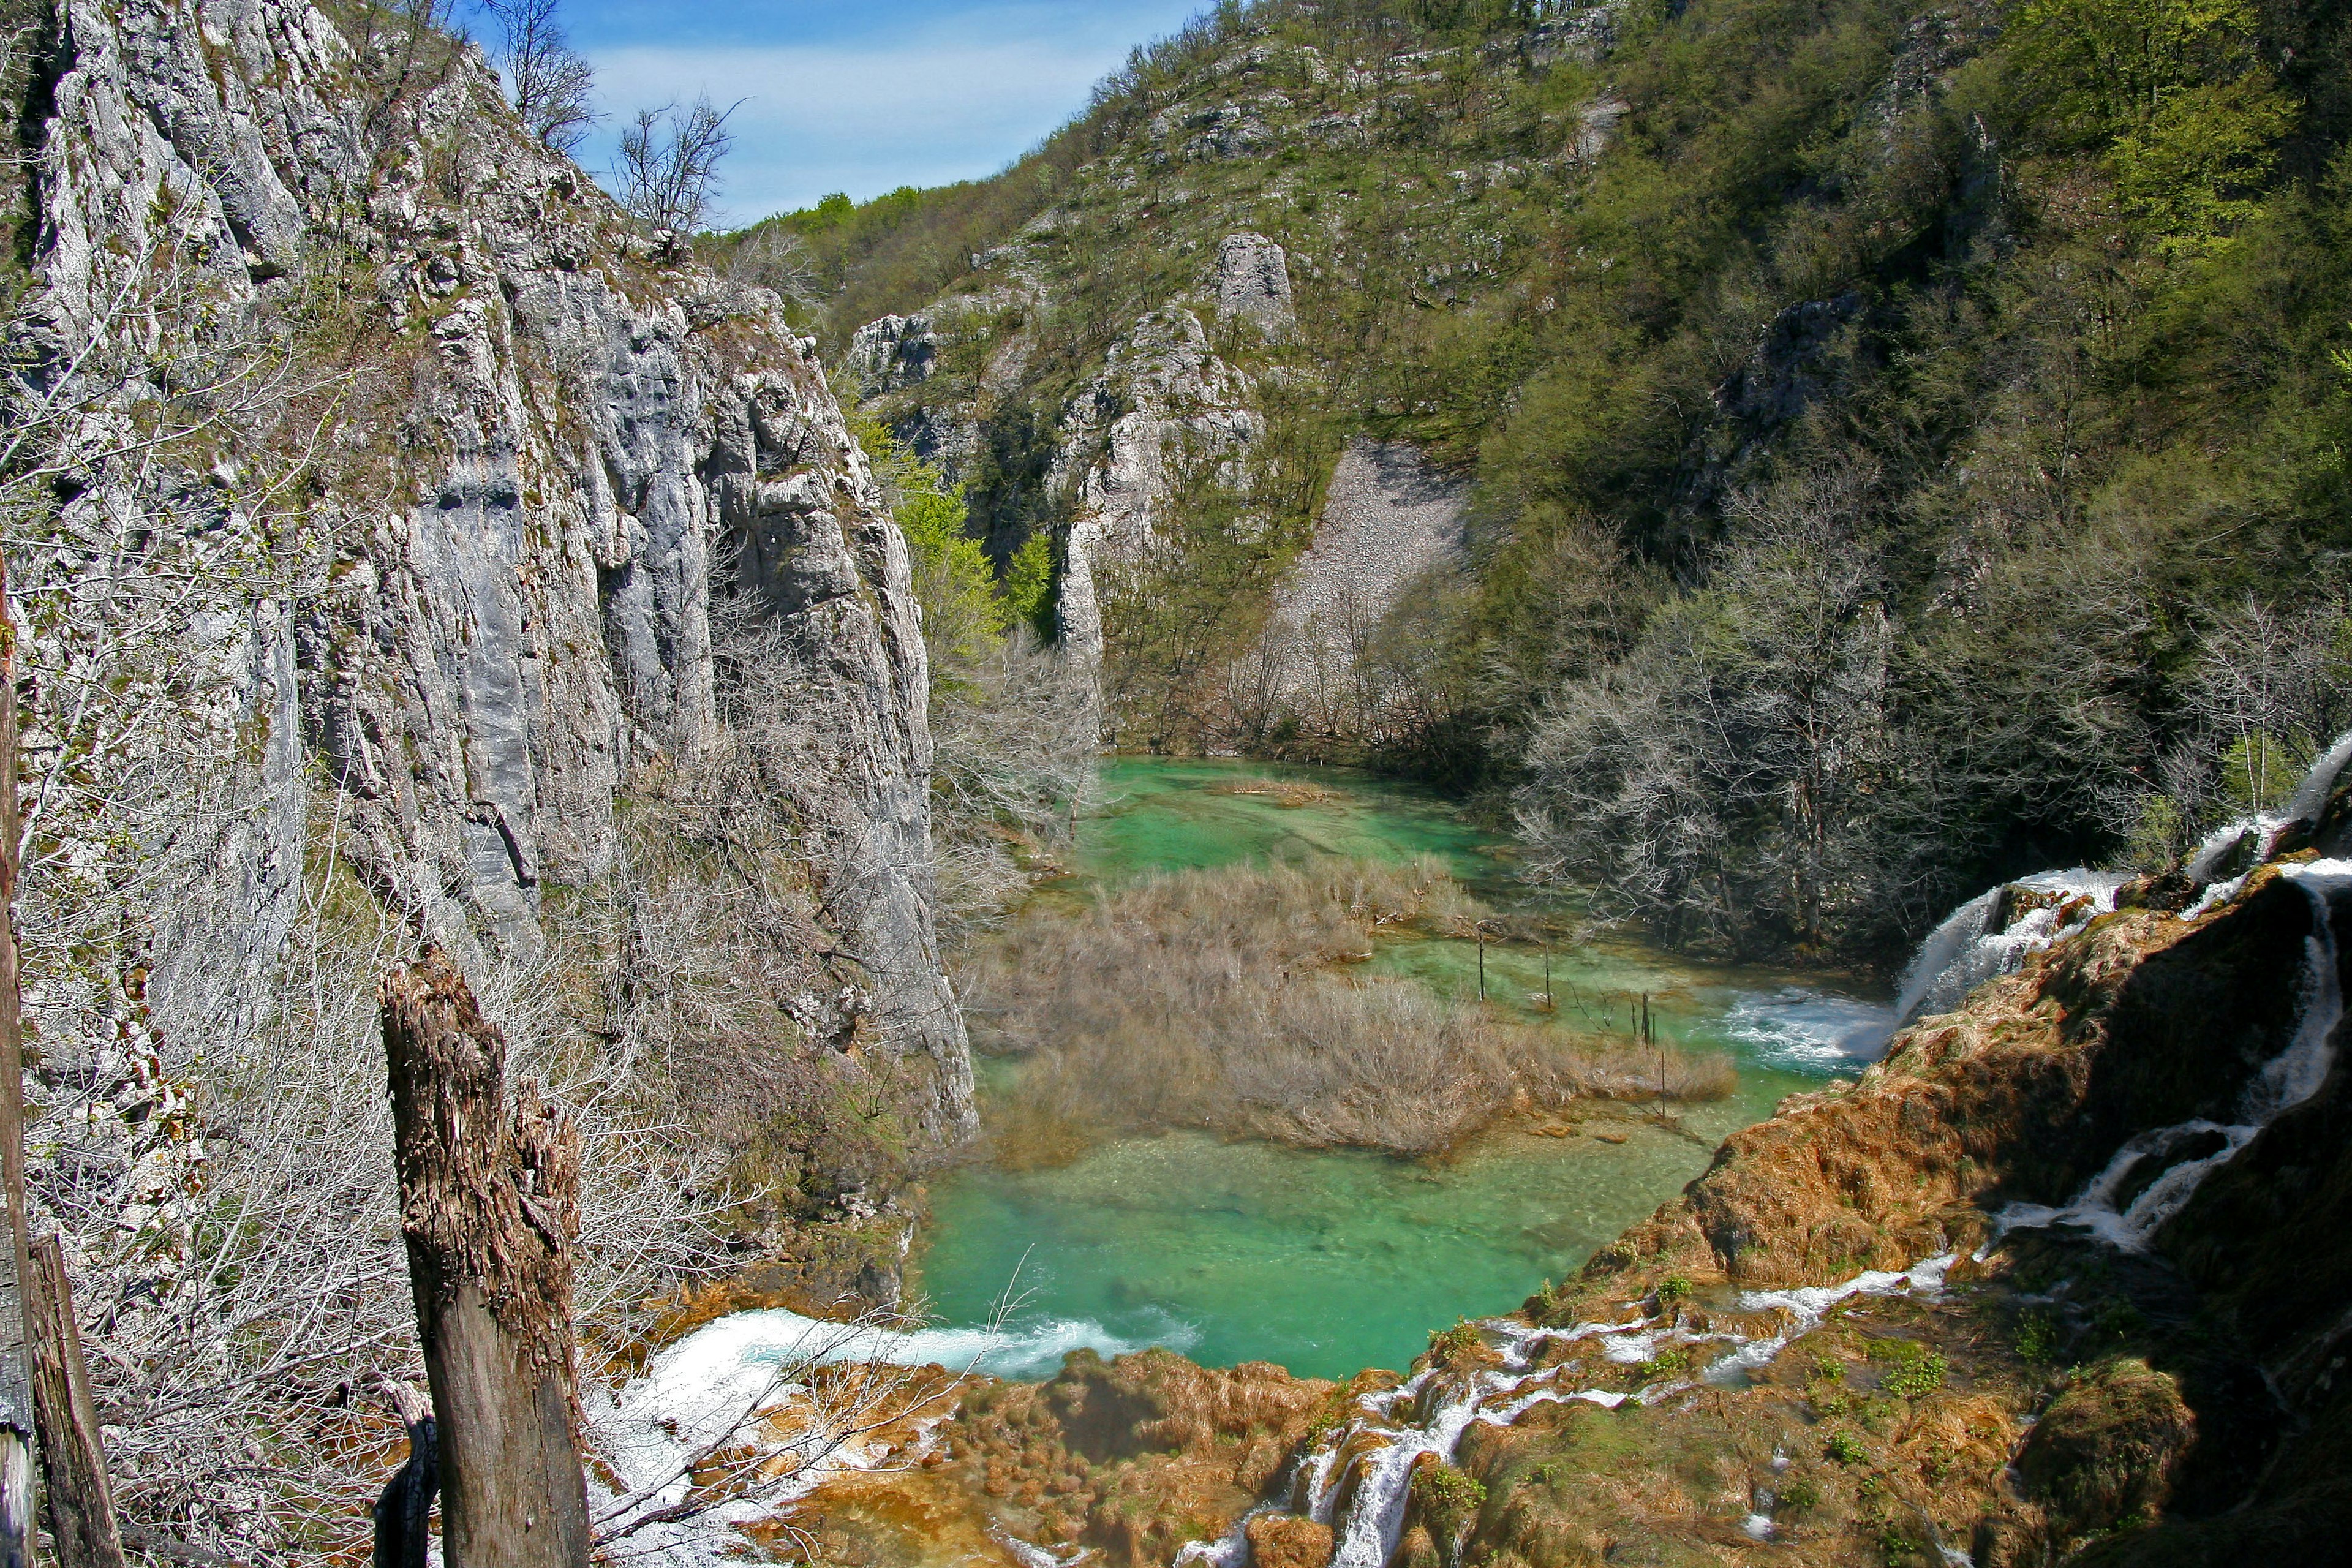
pixel 1333 1261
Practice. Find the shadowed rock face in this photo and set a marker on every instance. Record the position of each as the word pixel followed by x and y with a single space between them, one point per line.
pixel 531 479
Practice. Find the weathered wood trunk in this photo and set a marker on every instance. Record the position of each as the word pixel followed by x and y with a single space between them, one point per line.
pixel 17 1422
pixel 79 1503
pixel 402 1536
pixel 489 1206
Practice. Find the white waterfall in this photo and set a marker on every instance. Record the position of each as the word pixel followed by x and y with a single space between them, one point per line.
pixel 2266 828
pixel 1966 950
pixel 2189 1152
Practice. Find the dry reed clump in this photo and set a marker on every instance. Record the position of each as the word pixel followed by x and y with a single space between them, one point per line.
pixel 1215 999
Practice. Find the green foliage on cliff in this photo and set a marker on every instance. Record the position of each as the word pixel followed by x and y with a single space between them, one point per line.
pixel 964 609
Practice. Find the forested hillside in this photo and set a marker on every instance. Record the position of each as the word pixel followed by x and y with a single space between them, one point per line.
pixel 1904 441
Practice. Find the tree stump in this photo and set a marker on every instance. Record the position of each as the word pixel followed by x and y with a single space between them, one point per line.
pixel 17 1532
pixel 79 1503
pixel 489 1206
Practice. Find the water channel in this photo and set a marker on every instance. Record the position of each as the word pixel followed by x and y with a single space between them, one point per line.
pixel 1327 1262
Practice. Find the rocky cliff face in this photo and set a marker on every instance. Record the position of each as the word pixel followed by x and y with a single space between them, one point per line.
pixel 1164 406
pixel 555 447
pixel 1202 297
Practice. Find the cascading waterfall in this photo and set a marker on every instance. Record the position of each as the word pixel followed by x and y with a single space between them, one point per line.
pixel 1969 948
pixel 1960 955
pixel 1367 1530
pixel 2259 835
pixel 2192 1151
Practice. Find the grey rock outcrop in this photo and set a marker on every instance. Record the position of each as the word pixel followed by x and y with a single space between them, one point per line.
pixel 1164 406
pixel 893 353
pixel 559 436
pixel 1254 282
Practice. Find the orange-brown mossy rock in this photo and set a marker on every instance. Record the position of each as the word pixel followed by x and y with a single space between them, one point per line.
pixel 2106 1451
pixel 1136 1456
pixel 2143 1021
pixel 1280 1541
pixel 1417 1549
pixel 1156 1401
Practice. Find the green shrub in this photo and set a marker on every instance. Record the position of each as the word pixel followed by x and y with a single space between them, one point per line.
pixel 1800 1495
pixel 1668 1363
pixel 1673 1290
pixel 1845 1448
pixel 1449 1345
pixel 2037 1338
pixel 1916 1372
pixel 1449 1499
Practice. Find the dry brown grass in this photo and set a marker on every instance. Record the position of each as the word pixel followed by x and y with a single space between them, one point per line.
pixel 1219 1000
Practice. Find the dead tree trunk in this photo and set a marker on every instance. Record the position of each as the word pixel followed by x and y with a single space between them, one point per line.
pixel 489 1206
pixel 401 1512
pixel 17 1422
pixel 79 1502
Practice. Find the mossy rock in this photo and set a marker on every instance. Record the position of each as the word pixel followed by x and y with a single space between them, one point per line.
pixel 2107 1449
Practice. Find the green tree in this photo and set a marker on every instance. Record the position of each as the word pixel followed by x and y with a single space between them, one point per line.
pixel 2189 115
pixel 964 614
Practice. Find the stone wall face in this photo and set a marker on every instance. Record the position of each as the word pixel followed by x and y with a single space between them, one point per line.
pixel 568 432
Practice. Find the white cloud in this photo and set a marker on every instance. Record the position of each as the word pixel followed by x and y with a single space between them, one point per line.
pixel 957 101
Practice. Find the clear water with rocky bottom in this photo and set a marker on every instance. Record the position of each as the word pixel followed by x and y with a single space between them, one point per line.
pixel 1327 1262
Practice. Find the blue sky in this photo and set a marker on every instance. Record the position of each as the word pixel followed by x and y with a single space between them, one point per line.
pixel 861 98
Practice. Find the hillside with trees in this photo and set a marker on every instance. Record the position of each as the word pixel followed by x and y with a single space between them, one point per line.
pixel 1904 442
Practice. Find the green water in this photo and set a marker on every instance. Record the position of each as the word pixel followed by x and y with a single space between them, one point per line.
pixel 1329 1262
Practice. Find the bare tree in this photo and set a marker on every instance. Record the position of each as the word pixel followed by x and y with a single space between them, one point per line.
pixel 1718 782
pixel 552 83
pixel 668 172
pixel 772 256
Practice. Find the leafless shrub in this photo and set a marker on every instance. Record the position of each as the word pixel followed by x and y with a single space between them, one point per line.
pixel 1014 745
pixel 1718 780
pixel 668 168
pixel 405 49
pixel 207 1128
pixel 1229 1012
pixel 772 256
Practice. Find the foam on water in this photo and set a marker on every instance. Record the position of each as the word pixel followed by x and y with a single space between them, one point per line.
pixel 1809 1031
pixel 1032 1348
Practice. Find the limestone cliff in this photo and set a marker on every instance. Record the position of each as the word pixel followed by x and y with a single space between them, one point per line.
pixel 554 444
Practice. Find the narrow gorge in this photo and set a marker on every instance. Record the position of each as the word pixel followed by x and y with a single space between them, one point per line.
pixel 1488 784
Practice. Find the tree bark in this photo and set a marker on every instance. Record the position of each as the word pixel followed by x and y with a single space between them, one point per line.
pixel 489 1206
pixel 402 1530
pixel 79 1503
pixel 16 1421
